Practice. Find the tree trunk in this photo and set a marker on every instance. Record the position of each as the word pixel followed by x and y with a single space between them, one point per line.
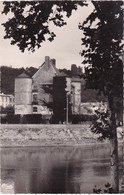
pixel 114 148
pixel 114 165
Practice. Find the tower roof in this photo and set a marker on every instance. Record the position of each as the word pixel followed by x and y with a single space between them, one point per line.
pixel 62 74
pixel 74 79
pixel 23 75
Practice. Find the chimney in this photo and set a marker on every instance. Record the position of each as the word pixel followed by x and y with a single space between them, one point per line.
pixel 53 62
pixel 47 61
pixel 73 69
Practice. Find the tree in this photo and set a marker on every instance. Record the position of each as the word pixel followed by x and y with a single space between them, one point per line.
pixel 60 100
pixel 9 74
pixel 28 29
pixel 103 52
pixel 31 71
pixel 29 25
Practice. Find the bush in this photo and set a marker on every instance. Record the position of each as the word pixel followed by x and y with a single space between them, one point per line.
pixel 76 119
pixel 12 119
pixel 25 119
pixel 32 119
pixel 3 120
pixel 44 119
pixel 107 190
pixel 101 124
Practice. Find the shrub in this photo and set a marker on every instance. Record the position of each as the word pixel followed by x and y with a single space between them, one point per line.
pixel 25 119
pixel 32 119
pixel 107 190
pixel 76 119
pixel 12 119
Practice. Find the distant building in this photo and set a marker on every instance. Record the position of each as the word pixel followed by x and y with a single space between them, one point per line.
pixel 32 95
pixel 6 100
pixel 42 78
pixel 76 95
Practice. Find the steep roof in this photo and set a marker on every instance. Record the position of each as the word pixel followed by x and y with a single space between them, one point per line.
pixel 62 74
pixel 23 75
pixel 74 79
pixel 45 73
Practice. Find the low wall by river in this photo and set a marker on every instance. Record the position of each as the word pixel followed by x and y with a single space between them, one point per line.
pixel 46 135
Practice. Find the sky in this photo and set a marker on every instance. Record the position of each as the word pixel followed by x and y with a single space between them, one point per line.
pixel 65 48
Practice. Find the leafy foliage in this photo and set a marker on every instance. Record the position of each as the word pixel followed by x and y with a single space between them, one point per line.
pixel 31 71
pixel 68 72
pixel 122 186
pixel 108 189
pixel 101 124
pixel 103 32
pixel 80 118
pixel 29 25
pixel 9 74
pixel 103 42
pixel 91 95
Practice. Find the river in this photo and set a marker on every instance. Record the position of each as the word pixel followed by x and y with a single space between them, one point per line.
pixel 56 169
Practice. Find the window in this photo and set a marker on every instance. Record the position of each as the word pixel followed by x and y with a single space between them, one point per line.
pixel 35 89
pixel 34 109
pixel 35 97
pixel 50 98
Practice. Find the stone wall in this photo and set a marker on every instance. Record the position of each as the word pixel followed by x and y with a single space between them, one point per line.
pixel 46 135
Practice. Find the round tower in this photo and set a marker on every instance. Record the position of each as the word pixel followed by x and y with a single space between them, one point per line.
pixel 23 94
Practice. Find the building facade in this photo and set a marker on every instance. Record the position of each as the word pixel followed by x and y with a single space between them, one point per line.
pixel 76 95
pixel 23 94
pixel 42 81
pixel 32 95
pixel 6 100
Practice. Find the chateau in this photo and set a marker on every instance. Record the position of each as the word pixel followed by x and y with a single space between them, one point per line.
pixel 32 94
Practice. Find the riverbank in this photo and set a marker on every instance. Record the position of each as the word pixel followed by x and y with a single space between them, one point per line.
pixel 46 135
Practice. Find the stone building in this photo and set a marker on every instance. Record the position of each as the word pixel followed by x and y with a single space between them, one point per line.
pixel 41 79
pixel 32 96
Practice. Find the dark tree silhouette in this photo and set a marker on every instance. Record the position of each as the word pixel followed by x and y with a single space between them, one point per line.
pixel 103 53
pixel 29 25
pixel 9 74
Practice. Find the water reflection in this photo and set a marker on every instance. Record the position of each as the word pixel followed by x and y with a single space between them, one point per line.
pixel 55 170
